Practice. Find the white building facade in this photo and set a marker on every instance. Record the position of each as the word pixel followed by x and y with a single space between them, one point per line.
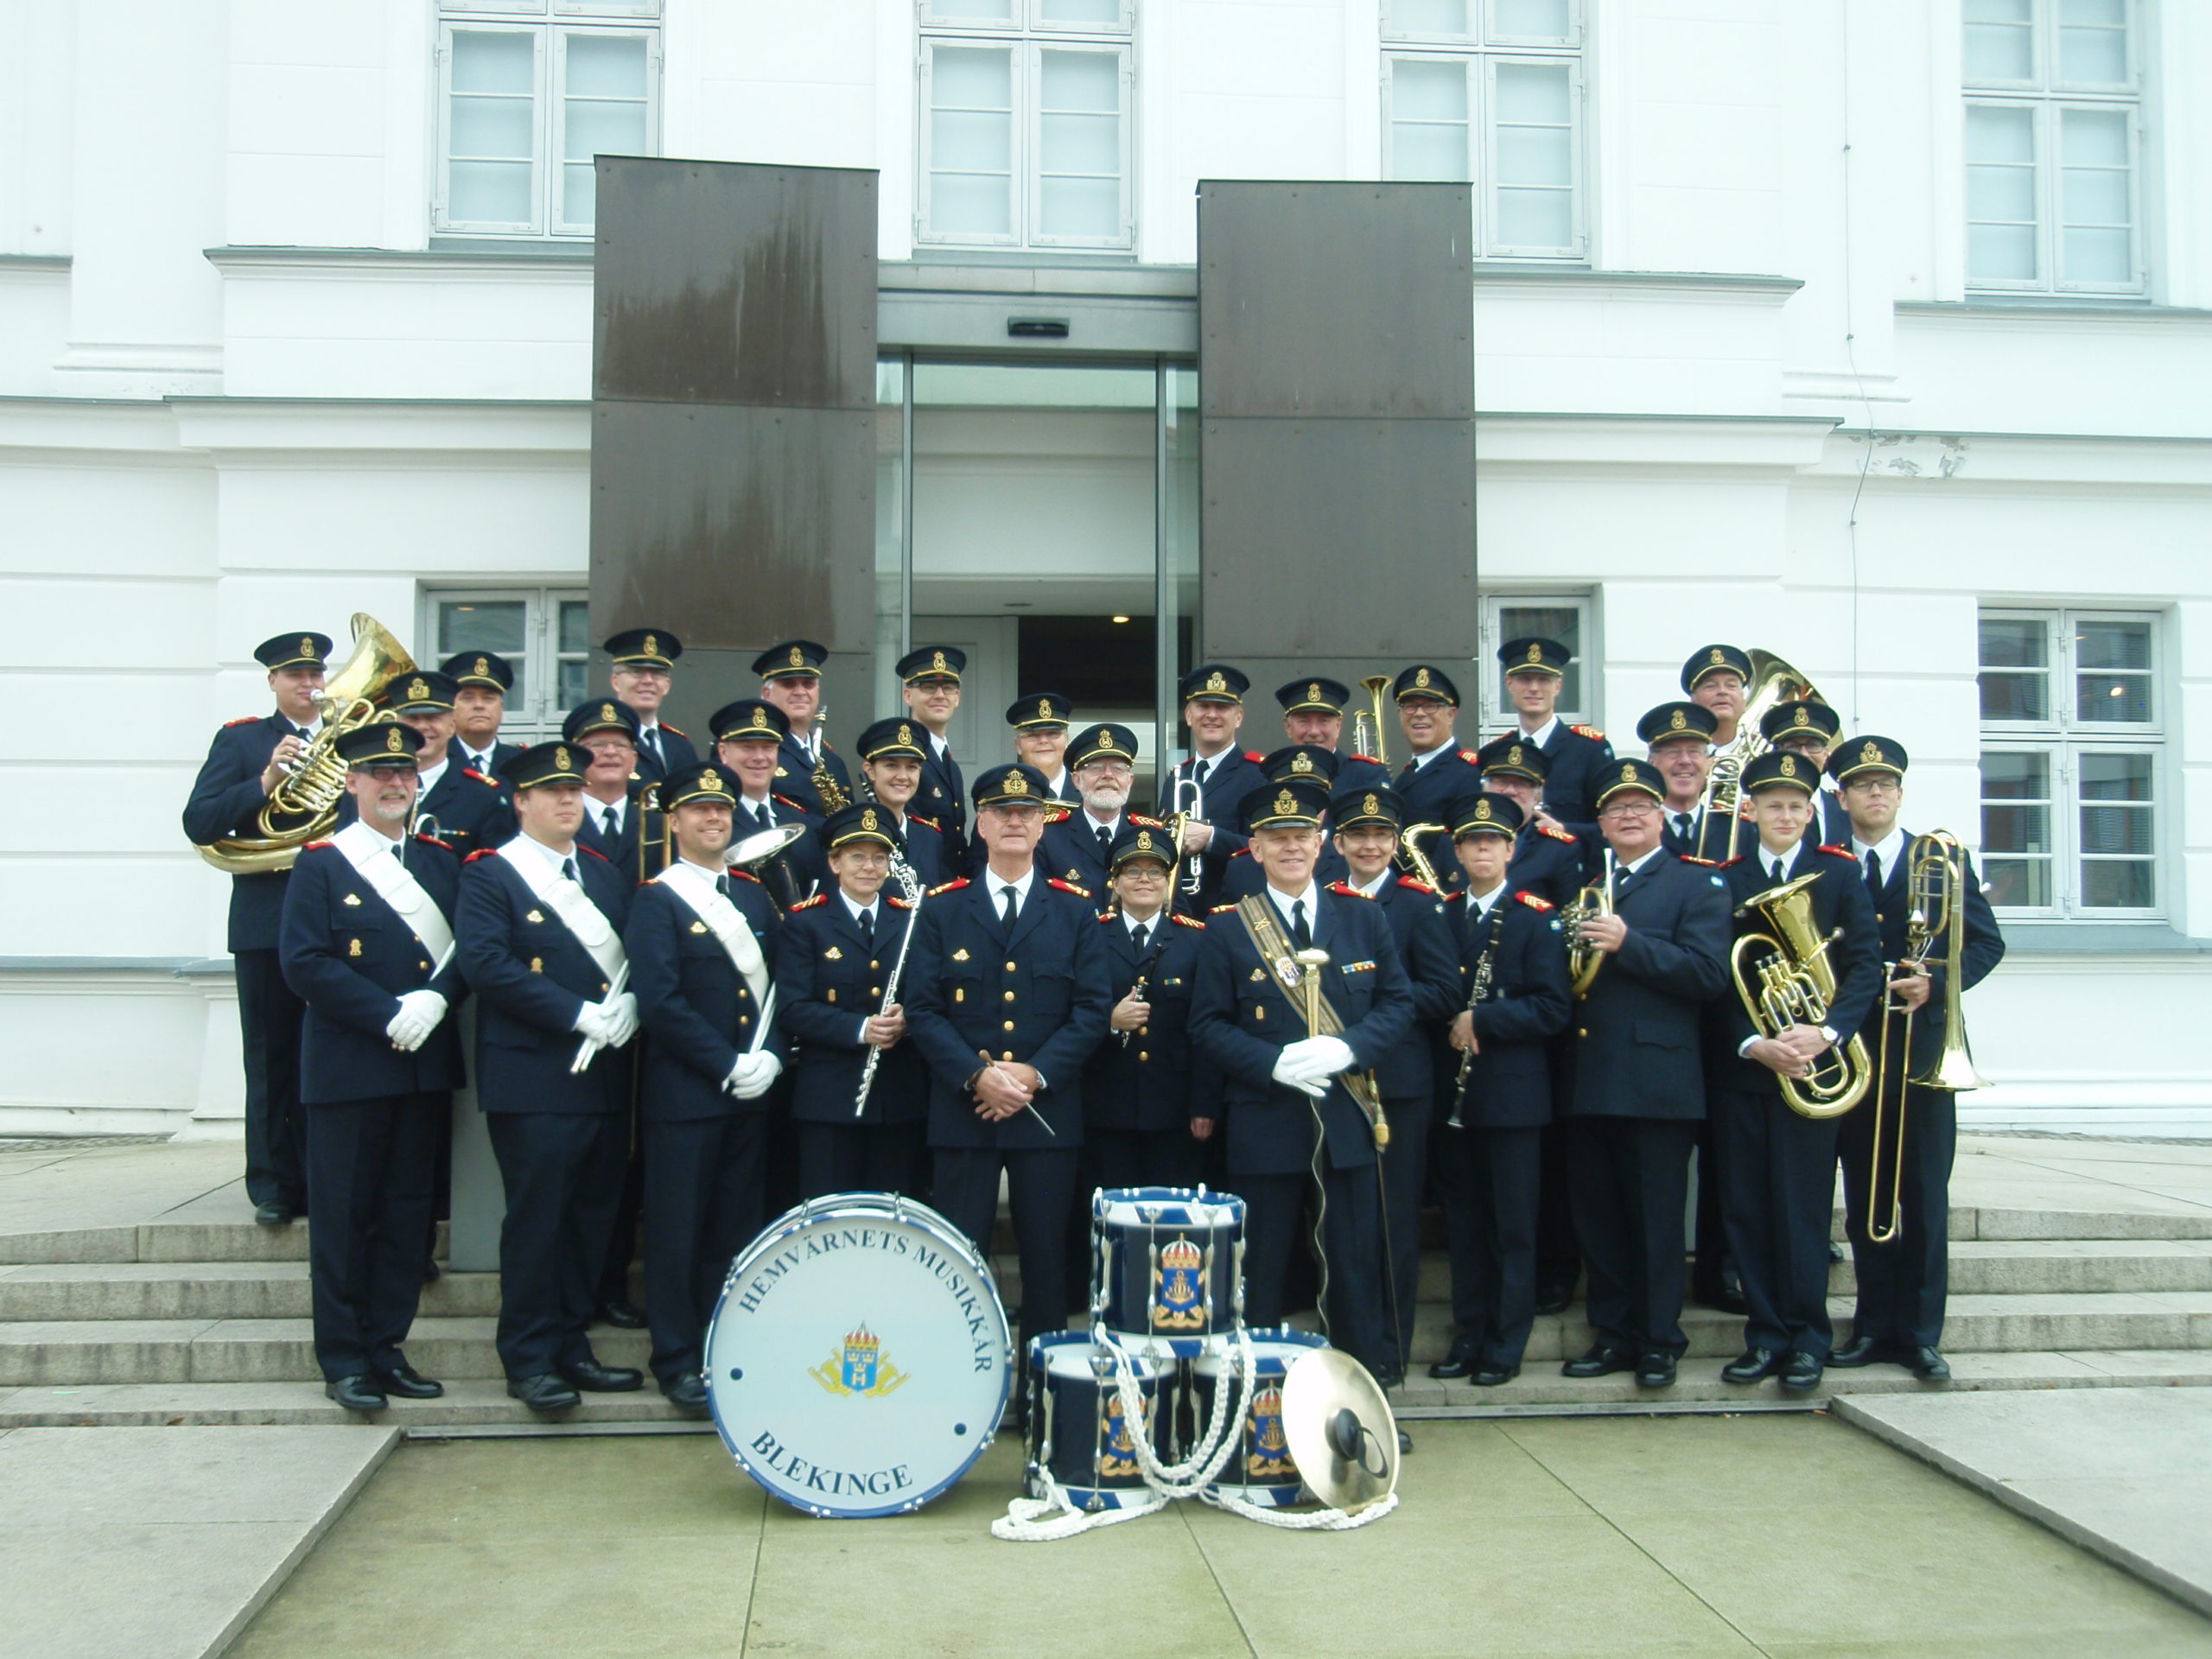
pixel 1873 332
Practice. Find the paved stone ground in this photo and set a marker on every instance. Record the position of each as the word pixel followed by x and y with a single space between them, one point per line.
pixel 1792 1535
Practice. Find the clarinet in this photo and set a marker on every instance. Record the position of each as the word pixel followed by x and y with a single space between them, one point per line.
pixel 1160 925
pixel 911 886
pixel 1486 967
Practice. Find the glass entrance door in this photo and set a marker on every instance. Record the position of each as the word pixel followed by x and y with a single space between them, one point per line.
pixel 1043 518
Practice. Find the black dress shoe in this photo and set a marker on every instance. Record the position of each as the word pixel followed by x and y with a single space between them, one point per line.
pixel 1387 1375
pixel 355 1393
pixel 430 1270
pixel 1553 1299
pixel 1835 1251
pixel 1493 1376
pixel 1927 1365
pixel 594 1378
pixel 1603 1360
pixel 1859 1350
pixel 1804 1374
pixel 687 1393
pixel 1655 1371
pixel 544 1392
pixel 623 1316
pixel 408 1383
pixel 1751 1365
pixel 274 1214
pixel 1458 1362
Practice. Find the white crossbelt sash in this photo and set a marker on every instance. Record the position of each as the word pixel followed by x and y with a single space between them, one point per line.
pixel 568 900
pixel 696 888
pixel 370 855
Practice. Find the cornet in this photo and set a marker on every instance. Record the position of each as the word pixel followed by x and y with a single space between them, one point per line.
pixel 1187 800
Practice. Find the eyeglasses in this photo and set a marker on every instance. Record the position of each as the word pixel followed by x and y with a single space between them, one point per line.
pixel 1877 785
pixel 1629 809
pixel 611 745
pixel 1108 768
pixel 641 671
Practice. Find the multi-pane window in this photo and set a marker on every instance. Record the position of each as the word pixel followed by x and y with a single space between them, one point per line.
pixel 544 632
pixel 1026 110
pixel 1491 92
pixel 524 106
pixel 2072 738
pixel 1565 618
pixel 2053 118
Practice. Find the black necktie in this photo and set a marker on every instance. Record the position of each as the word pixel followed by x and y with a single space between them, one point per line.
pixel 399 850
pixel 1874 876
pixel 607 826
pixel 660 755
pixel 1012 899
pixel 1140 934
pixel 722 885
pixel 1300 935
pixel 569 869
pixel 1105 840
pixel 1682 825
pixel 867 927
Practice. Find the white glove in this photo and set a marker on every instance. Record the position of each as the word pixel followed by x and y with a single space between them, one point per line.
pixel 753 1076
pixel 591 1022
pixel 1331 1054
pixel 418 1016
pixel 621 1019
pixel 1289 1071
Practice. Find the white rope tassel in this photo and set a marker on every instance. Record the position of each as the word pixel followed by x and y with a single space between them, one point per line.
pixel 1302 1520
pixel 1044 1519
pixel 1189 1478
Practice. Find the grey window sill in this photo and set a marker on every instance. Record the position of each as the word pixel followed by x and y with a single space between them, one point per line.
pixel 2100 939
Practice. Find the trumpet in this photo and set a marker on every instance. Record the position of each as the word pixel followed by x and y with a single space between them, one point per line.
pixel 1583 960
pixel 1783 978
pixel 1367 729
pixel 1772 681
pixel 1187 799
pixel 1934 893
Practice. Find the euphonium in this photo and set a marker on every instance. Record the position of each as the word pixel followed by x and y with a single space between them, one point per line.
pixel 304 807
pixel 1783 978
pixel 1772 681
pixel 1583 959
pixel 1368 736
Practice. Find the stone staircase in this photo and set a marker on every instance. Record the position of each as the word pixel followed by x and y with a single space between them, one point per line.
pixel 205 1320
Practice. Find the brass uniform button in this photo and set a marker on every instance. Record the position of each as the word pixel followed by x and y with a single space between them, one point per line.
pixel 1144 1031
pixel 1008 1055
pixel 1142 1055
pixel 1009 967
pixel 1009 996
pixel 875 965
pixel 1010 1025
pixel 1582 1031
pixel 875 990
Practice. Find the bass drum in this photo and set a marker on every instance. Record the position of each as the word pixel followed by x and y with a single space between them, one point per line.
pixel 1260 1470
pixel 859 1359
pixel 1076 1427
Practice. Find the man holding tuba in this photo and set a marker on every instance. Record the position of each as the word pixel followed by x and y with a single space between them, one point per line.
pixel 245 763
pixel 1811 962
pixel 1940 940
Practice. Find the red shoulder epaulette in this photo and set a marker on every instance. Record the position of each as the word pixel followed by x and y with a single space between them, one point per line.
pixel 1369 759
pixel 1721 864
pixel 244 720
pixel 482 852
pixel 1590 732
pixel 1558 835
pixel 742 875
pixel 1418 887
pixel 1254 756
pixel 313 845
pixel 1181 920
pixel 1349 891
pixel 1841 851
pixel 896 902
pixel 1692 858
pixel 1447 898
pixel 433 841
pixel 1057 815
pixel 480 777
pixel 1470 757
pixel 787 801
pixel 1242 852
pixel 1143 822
pixel 1535 903
pixel 1067 886
pixel 809 904
pixel 678 730
pixel 1219 909
pixel 594 852
pixel 916 817
pixel 953 885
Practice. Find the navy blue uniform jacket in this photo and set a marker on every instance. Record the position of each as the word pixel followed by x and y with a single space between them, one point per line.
pixel 1508 1085
pixel 1039 996
pixel 828 979
pixel 1579 755
pixel 1635 1032
pixel 1984 950
pixel 1840 900
pixel 1550 863
pixel 534 977
pixel 1238 775
pixel 465 810
pixel 347 955
pixel 1242 1019
pixel 1070 850
pixel 1154 1081
pixel 1421 924
pixel 795 777
pixel 680 750
pixel 225 800
pixel 1426 796
pixel 697 1012
pixel 942 798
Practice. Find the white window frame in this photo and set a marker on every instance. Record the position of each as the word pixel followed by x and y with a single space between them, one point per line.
pixel 1481 54
pixel 1026 37
pixel 2065 739
pixel 537 716
pixel 1493 709
pixel 549 31
pixel 2047 99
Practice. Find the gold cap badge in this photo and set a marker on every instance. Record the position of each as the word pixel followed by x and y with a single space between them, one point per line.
pixel 1420 676
pixel 1678 721
pixel 391 742
pixel 868 818
pixel 760 720
pixel 1301 762
pixel 1313 691
pixel 1144 840
pixel 799 658
pixel 652 646
pixel 1628 771
pixel 1370 805
pixel 1536 655
pixel 483 668
pixel 1044 708
pixel 936 662
pixel 711 781
pixel 418 689
pixel 607 714
pixel 1870 755
pixel 1513 756
pixel 307 646
pixel 1482 811
pixel 1720 657
pixel 560 761
pixel 1015 784
pixel 1788 768
pixel 1803 717
pixel 906 735
pixel 1216 681
pixel 1286 802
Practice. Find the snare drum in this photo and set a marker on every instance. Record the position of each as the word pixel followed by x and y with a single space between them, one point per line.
pixel 1167 1269
pixel 1077 1426
pixel 1260 1470
pixel 858 1360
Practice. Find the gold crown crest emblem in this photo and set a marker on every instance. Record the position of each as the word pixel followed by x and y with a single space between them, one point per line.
pixel 1678 721
pixel 1420 676
pixel 760 720
pixel 1286 802
pixel 652 646
pixel 711 780
pixel 1720 657
pixel 1217 681
pixel 1482 811
pixel 484 668
pixel 560 761
pixel 799 658
pixel 907 734
pixel 1313 691
pixel 418 689
pixel 392 743
pixel 1803 717
pixel 868 818
pixel 1144 840
pixel 1513 756
pixel 1301 762
pixel 937 661
pixel 1870 755
pixel 1370 805
pixel 1044 708
pixel 1015 784
pixel 1535 653
pixel 606 713
pixel 1628 771
pixel 1788 768
pixel 1182 1256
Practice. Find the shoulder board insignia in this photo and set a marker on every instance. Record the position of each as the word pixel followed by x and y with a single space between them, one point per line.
pixel 483 852
pixel 742 875
pixel 785 800
pixel 315 846
pixel 1348 891
pixel 1242 852
pixel 1558 835
pixel 1692 858
pixel 809 904
pixel 1181 920
pixel 1254 756
pixel 1470 757
pixel 480 777
pixel 1067 886
pixel 1590 732
pixel 926 823
pixel 1143 822
pixel 1222 910
pixel 782 772
pixel 1841 852
pixel 1418 887
pixel 1057 815
pixel 435 841
pixel 243 720
pixel 1369 759
pixel 678 730
pixel 1452 897
pixel 593 851
pixel 1105 915
pixel 953 885
pixel 896 902
pixel 1723 864
pixel 1533 902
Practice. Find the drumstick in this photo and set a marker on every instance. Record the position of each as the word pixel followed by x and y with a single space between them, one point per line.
pixel 984 1055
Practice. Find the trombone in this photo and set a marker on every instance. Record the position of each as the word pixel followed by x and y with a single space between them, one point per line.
pixel 1935 893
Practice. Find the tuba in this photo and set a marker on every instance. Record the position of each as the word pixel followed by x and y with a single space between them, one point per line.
pixel 1583 960
pixel 1772 681
pixel 1367 728
pixel 304 807
pixel 1784 979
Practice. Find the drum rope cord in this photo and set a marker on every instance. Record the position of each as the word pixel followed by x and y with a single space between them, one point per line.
pixel 1043 1520
pixel 1189 1477
pixel 1303 1520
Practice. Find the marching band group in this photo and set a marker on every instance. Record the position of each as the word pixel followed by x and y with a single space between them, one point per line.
pixel 1524 981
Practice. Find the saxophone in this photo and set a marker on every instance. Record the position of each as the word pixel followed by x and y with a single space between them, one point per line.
pixel 834 798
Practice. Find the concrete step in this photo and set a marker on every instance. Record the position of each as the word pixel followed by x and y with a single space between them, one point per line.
pixel 57 1352
pixel 483 1403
